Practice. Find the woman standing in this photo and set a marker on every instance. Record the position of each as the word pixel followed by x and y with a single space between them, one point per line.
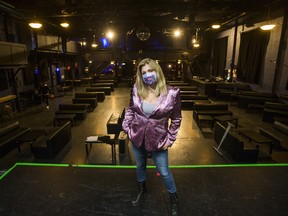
pixel 146 122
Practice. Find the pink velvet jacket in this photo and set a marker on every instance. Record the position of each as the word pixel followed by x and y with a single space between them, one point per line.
pixel 155 129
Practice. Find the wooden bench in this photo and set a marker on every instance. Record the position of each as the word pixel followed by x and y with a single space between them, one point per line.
pixel 65 89
pixel 179 83
pixel 193 97
pixel 272 110
pixel 187 88
pixel 99 95
pixel 235 146
pixel 51 144
pixel 91 101
pixel 8 136
pixel 189 104
pixel 250 97
pixel 278 133
pixel 188 92
pixel 29 137
pixel 225 90
pixel 106 90
pixel 79 109
pixel 115 82
pixel 212 109
pixel 64 118
pixel 188 100
pixel 111 85
pixel 255 107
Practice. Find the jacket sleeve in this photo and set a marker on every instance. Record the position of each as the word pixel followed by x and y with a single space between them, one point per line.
pixel 176 118
pixel 129 115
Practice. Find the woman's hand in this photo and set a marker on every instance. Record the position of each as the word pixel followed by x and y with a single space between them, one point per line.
pixel 165 146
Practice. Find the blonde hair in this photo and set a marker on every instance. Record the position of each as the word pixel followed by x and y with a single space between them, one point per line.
pixel 142 89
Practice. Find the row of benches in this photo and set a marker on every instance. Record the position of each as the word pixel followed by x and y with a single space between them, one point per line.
pixel 189 95
pixel 45 144
pixel 204 112
pixel 82 103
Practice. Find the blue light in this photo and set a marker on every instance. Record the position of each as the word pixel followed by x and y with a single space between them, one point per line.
pixel 57 69
pixel 105 42
pixel 36 71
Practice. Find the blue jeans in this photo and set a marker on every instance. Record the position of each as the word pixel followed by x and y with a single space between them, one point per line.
pixel 160 159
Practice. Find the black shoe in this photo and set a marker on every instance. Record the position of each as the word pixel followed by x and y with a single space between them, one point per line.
pixel 141 191
pixel 174 204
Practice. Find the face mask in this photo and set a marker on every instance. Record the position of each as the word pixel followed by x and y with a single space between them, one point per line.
pixel 149 78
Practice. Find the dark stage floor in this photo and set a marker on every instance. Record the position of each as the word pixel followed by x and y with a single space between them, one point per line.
pixel 205 188
pixel 33 189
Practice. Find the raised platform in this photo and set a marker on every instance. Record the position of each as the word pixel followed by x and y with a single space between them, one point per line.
pixel 47 189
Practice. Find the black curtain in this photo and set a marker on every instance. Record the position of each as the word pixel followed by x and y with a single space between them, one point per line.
pixel 252 52
pixel 219 56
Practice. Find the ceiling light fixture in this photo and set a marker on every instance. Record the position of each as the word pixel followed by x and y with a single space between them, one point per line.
pixel 64 24
pixel 143 33
pixel 268 25
pixel 195 40
pixel 35 25
pixel 177 33
pixel 94 45
pixel 110 35
pixel 216 26
pixel 83 42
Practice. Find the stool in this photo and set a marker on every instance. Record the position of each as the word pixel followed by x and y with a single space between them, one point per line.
pixel 102 139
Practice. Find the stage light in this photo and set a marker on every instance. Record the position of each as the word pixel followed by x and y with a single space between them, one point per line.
pixel 216 26
pixel 94 45
pixel 35 25
pixel 64 24
pixel 268 25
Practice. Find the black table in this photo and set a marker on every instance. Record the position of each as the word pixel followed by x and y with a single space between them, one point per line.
pixel 257 138
pixel 102 139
